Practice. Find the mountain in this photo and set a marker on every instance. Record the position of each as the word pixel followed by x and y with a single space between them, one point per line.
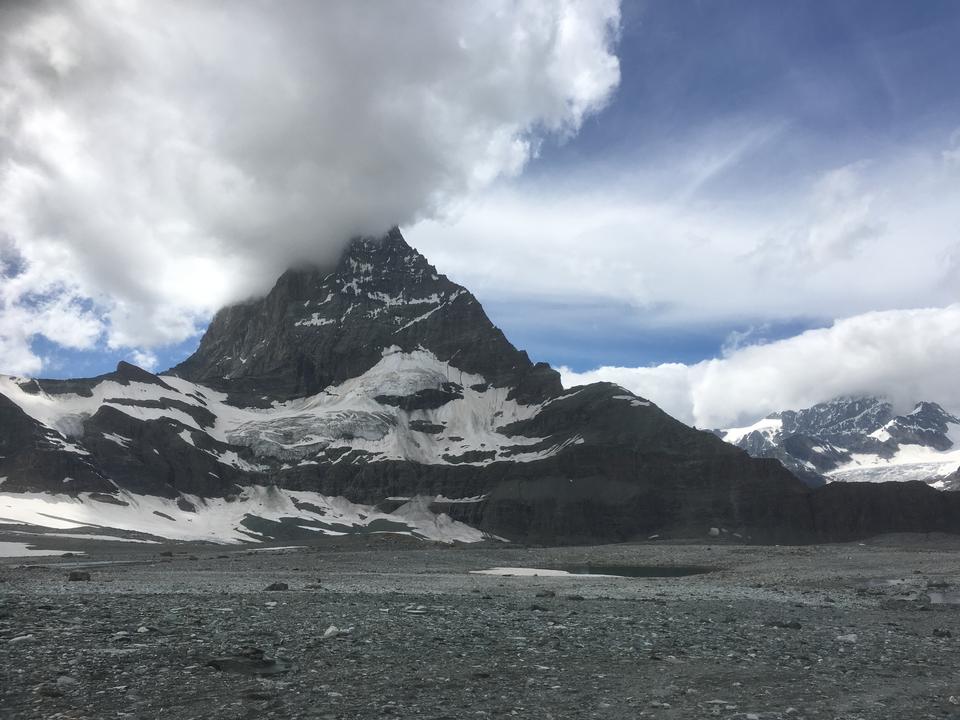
pixel 858 439
pixel 376 396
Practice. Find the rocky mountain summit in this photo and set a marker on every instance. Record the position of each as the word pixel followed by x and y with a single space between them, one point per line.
pixel 318 328
pixel 376 396
pixel 858 439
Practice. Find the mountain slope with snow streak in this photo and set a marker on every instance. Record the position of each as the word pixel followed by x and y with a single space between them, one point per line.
pixel 375 395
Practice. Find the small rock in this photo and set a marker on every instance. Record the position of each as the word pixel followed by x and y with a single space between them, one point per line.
pixel 20 639
pixel 143 629
pixel 277 586
pixel 251 661
pixel 49 690
pixel 333 631
pixel 848 638
pixel 65 683
pixel 258 695
pixel 942 633
pixel 714 532
pixel 784 624
pixel 78 575
pixel 546 594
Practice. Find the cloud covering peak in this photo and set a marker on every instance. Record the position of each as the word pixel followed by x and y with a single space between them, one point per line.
pixel 158 160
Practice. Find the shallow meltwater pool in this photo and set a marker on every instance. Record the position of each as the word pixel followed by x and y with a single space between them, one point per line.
pixel 630 571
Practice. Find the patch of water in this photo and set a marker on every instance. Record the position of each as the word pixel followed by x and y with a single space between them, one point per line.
pixel 638 571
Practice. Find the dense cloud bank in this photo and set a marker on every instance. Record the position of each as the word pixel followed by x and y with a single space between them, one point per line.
pixel 905 355
pixel 158 160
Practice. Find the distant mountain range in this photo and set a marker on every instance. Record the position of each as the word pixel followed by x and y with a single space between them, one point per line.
pixel 375 395
pixel 858 439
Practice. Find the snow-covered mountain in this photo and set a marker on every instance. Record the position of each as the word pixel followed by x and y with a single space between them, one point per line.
pixel 858 439
pixel 376 396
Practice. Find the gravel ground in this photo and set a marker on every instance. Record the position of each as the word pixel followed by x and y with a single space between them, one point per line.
pixel 382 628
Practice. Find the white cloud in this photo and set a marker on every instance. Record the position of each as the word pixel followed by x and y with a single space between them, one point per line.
pixel 864 236
pixel 906 355
pixel 162 159
pixel 144 358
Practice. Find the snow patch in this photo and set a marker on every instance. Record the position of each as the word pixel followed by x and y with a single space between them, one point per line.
pixel 118 439
pixel 315 320
pixel 222 520
pixel 633 400
pixel 767 426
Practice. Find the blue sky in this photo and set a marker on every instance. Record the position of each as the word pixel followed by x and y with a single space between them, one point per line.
pixel 649 191
pixel 824 85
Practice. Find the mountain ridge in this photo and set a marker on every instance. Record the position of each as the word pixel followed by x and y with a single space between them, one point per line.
pixel 377 396
pixel 858 438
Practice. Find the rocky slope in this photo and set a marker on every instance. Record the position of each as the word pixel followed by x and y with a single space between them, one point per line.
pixel 376 396
pixel 858 440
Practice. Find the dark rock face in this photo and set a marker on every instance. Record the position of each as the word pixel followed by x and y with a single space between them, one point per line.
pixel 379 380
pixel 154 458
pixel 847 511
pixel 319 327
pixel 927 425
pixel 34 458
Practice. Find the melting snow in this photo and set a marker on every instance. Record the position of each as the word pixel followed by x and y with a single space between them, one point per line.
pixel 315 320
pixel 221 521
pixel 16 549
pixel 531 572
pixel 342 416
pixel 118 439
pixel 633 400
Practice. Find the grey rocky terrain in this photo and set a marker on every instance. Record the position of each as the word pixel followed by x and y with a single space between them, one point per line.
pixel 379 628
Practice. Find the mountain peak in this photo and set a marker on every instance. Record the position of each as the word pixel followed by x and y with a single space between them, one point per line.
pixel 857 438
pixel 320 326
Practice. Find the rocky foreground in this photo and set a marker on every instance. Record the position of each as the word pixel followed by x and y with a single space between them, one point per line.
pixel 393 630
